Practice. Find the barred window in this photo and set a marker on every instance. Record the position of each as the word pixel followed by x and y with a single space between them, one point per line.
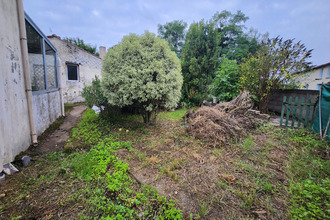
pixel 72 70
pixel 42 59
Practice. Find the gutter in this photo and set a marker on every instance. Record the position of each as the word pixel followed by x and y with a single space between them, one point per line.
pixel 24 49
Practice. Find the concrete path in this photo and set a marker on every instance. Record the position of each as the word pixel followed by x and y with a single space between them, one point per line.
pixel 56 140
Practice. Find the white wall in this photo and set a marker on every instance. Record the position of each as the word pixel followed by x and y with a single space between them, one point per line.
pixel 89 66
pixel 14 122
pixel 312 79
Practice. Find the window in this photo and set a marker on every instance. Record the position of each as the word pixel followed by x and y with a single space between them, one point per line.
pixel 72 70
pixel 42 59
pixel 321 73
pixel 328 74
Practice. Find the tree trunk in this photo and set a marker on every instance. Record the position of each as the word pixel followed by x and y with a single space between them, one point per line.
pixel 263 104
pixel 146 117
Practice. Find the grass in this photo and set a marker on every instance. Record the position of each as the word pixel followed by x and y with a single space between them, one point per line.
pixel 172 115
pixel 112 167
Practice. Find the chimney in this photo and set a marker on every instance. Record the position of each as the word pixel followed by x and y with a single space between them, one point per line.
pixel 103 51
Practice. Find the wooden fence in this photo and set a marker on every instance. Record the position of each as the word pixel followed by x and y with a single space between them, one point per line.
pixel 297 111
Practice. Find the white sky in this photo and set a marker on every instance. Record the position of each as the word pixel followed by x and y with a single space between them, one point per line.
pixel 105 22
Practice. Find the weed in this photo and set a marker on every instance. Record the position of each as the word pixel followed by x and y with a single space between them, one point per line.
pixel 204 207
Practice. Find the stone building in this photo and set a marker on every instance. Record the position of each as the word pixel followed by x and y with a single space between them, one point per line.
pixel 30 95
pixel 78 68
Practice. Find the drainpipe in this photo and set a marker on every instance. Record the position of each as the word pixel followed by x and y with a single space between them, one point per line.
pixel 59 71
pixel 23 40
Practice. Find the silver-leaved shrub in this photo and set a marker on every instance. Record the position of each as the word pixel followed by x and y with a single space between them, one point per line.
pixel 142 71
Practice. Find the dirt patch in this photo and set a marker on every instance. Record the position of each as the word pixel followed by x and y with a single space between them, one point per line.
pixel 56 140
pixel 47 200
pixel 242 180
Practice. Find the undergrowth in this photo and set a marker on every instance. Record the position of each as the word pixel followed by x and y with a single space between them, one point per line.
pixel 112 193
pixel 309 173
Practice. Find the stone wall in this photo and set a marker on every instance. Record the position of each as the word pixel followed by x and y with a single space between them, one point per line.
pixel 89 67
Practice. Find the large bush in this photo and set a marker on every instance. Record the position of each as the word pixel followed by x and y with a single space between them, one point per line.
pixel 144 72
pixel 225 85
pixel 273 67
pixel 93 94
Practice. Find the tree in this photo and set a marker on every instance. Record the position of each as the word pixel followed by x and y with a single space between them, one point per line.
pixel 272 68
pixel 81 44
pixel 206 43
pixel 144 72
pixel 174 33
pixel 225 85
pixel 200 59
pixel 234 43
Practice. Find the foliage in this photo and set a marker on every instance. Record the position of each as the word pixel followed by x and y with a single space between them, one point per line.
pixel 309 174
pixel 142 71
pixel 225 85
pixel 205 43
pixel 234 43
pixel 272 68
pixel 199 60
pixel 311 200
pixel 119 199
pixel 174 33
pixel 93 94
pixel 81 44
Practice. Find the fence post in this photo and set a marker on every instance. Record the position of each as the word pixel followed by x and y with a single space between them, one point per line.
pixel 301 111
pixel 288 113
pixel 283 110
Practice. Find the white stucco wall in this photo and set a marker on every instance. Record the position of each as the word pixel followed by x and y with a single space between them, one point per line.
pixel 14 122
pixel 89 66
pixel 46 109
pixel 312 79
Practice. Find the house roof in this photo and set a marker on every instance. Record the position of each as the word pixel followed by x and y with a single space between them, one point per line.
pixel 320 66
pixel 59 38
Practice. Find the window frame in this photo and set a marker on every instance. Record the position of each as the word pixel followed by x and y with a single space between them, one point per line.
pixel 44 41
pixel 67 71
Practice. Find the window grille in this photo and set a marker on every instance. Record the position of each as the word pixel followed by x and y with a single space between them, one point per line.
pixel 42 59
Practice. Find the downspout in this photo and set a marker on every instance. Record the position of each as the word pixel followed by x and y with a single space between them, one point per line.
pixel 23 41
pixel 59 62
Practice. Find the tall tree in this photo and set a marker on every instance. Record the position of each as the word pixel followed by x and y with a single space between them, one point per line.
pixel 174 33
pixel 199 60
pixel 272 68
pixel 81 44
pixel 234 43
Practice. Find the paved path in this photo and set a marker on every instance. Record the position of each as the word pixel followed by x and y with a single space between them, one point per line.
pixel 56 140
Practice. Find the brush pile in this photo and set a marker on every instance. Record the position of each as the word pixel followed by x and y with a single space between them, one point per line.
pixel 222 122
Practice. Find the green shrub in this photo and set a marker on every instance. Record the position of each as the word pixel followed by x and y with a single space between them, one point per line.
pixel 225 85
pixel 142 71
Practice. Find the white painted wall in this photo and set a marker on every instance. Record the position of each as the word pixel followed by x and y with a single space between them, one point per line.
pixel 15 132
pixel 312 79
pixel 89 66
pixel 14 121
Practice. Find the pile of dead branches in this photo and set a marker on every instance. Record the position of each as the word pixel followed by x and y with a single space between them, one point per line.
pixel 220 123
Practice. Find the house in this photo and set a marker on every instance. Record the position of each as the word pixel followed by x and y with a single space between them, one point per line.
pixel 30 94
pixel 78 68
pixel 313 79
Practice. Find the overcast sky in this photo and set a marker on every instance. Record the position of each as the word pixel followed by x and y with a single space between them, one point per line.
pixel 105 22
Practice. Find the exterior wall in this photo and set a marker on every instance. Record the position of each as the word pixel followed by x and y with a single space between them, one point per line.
pixel 89 67
pixel 312 80
pixel 275 104
pixel 46 109
pixel 14 121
